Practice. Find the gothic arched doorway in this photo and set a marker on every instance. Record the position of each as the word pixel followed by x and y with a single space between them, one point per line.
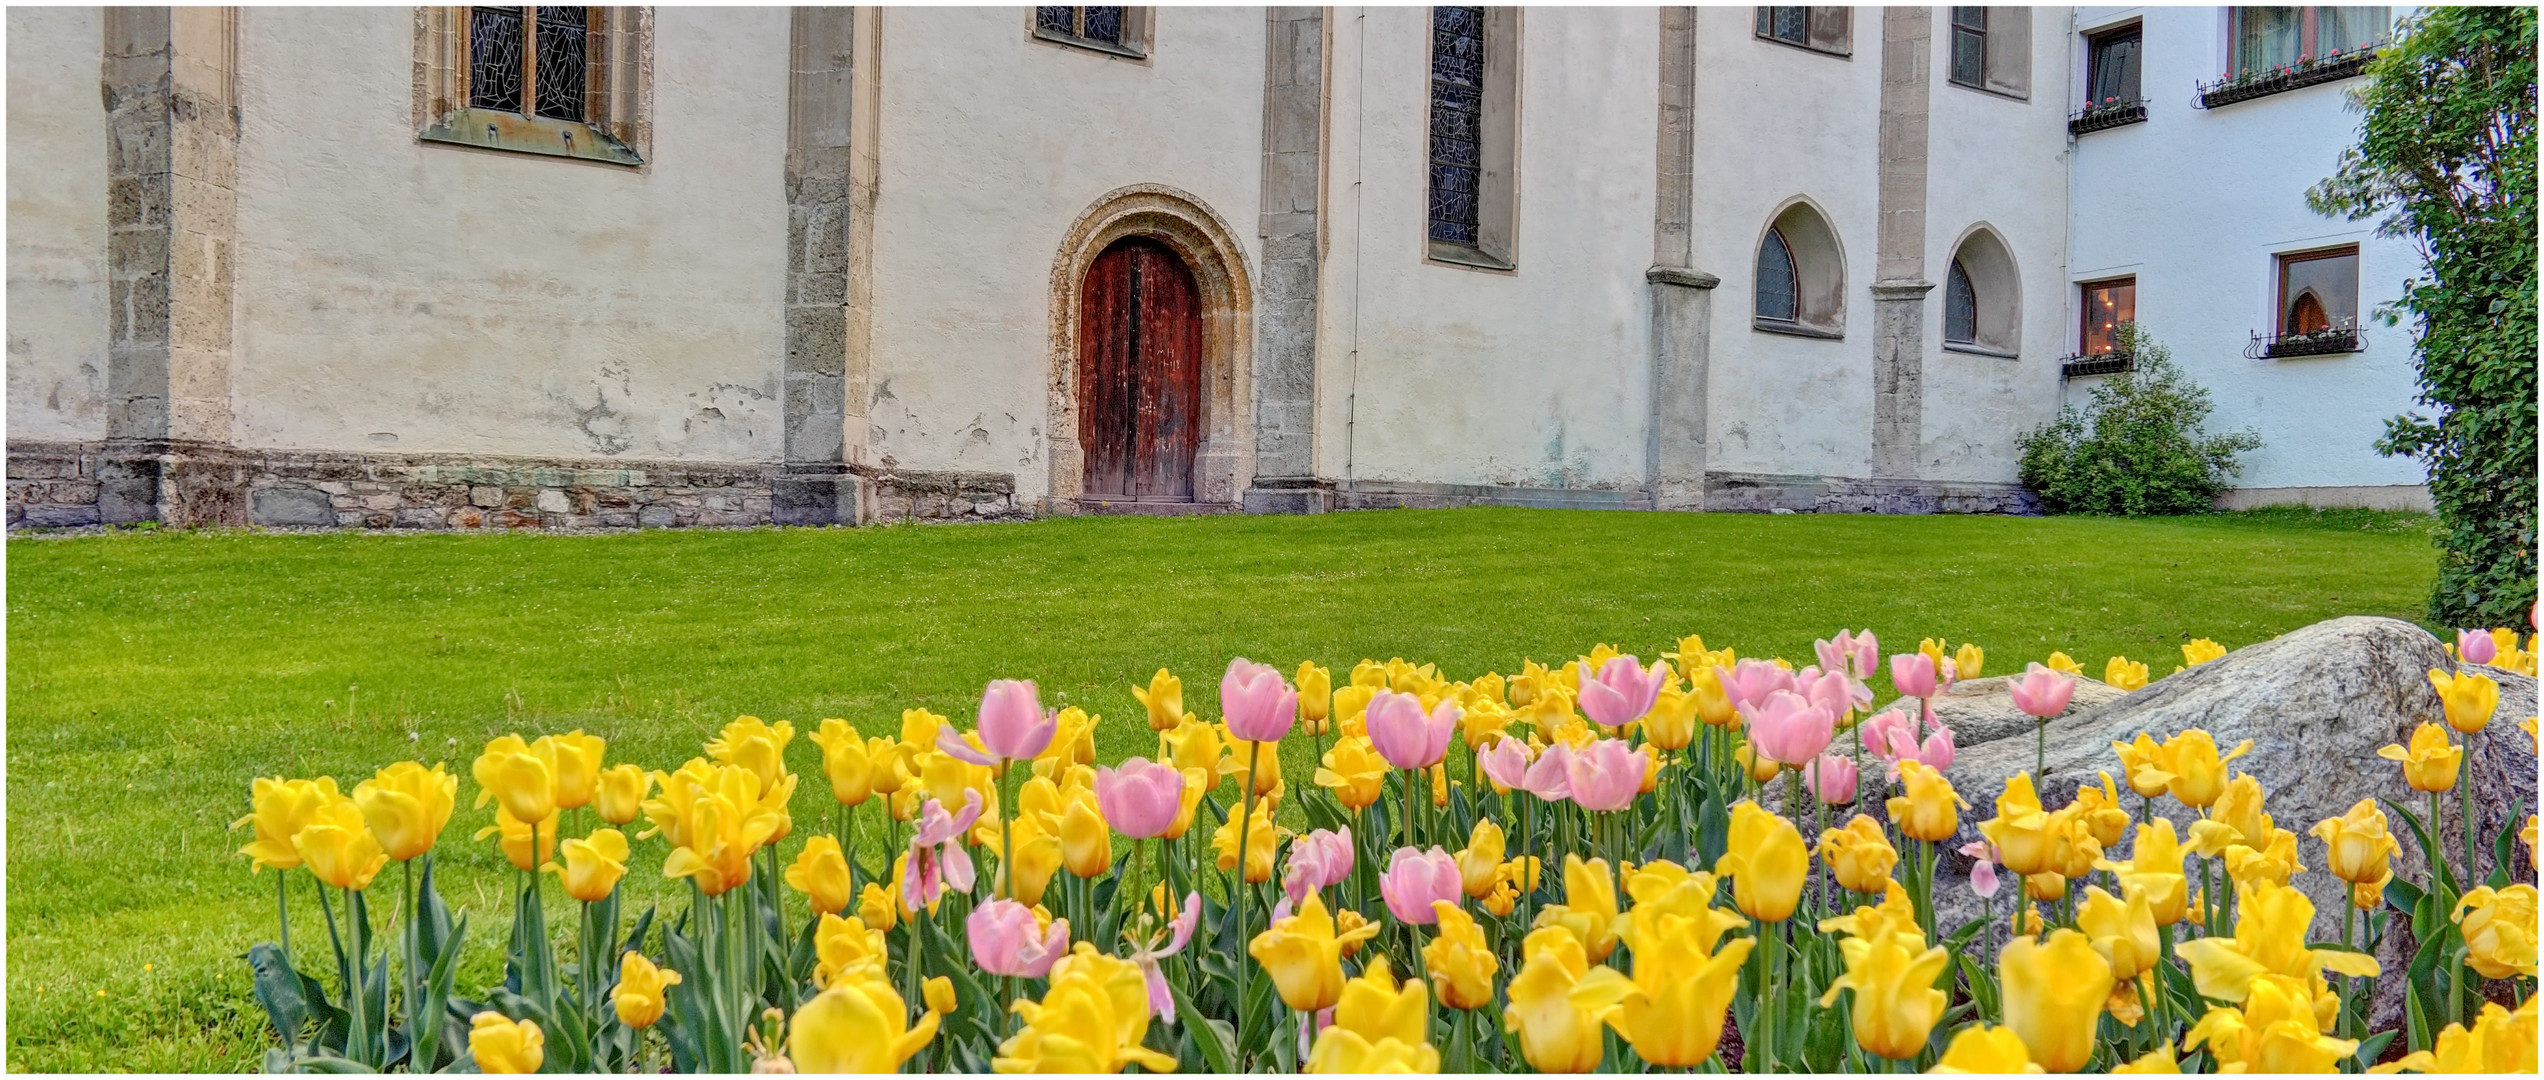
pixel 1139 373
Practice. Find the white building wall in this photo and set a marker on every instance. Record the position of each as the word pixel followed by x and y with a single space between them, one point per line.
pixel 1537 377
pixel 991 144
pixel 2196 203
pixel 1997 162
pixel 394 294
pixel 57 225
pixel 1773 123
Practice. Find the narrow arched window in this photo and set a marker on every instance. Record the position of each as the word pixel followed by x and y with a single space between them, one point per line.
pixel 1777 295
pixel 1960 307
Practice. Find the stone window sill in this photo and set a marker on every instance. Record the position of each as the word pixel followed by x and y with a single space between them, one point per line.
pixel 491 130
pixel 1469 258
pixel 1090 44
pixel 1980 350
pixel 1794 329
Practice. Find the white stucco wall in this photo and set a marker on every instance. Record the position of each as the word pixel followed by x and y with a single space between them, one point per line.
pixel 394 294
pixel 57 225
pixel 2196 203
pixel 990 145
pixel 1999 162
pixel 1539 377
pixel 1775 123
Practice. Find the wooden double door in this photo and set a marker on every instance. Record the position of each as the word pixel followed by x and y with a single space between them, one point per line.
pixel 1139 373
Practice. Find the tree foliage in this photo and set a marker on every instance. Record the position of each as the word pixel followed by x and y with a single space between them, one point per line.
pixel 2137 447
pixel 2448 154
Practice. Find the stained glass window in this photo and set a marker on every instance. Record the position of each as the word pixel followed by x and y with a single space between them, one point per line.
pixel 494 58
pixel 1103 24
pixel 563 54
pixel 1457 122
pixel 1960 307
pixel 1778 299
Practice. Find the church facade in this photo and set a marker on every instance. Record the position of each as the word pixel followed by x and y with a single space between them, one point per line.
pixel 464 268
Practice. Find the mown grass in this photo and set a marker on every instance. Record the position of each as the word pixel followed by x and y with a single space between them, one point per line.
pixel 151 676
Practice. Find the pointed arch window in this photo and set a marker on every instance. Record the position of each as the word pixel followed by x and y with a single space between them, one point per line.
pixel 1960 307
pixel 1473 136
pixel 1778 294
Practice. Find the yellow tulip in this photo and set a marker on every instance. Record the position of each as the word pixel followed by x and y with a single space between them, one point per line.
pixel 1377 1009
pixel 1072 742
pixel 1343 1051
pixel 919 728
pixel 1859 854
pixel 1315 696
pixel 875 904
pixel 2270 929
pixel 2045 887
pixel 2279 1029
pixel 1968 660
pixel 1896 914
pixel 1896 1005
pixel 338 847
pixel 1461 964
pixel 938 992
pixel 1505 896
pixel 2501 1043
pixel 847 949
pixel 1555 1009
pixel 1765 861
pixel 1086 843
pixel 513 838
pixel 1713 705
pixel 519 776
pixel 622 793
pixel 2025 836
pixel 1480 862
pixel 2124 673
pixel 500 1045
pixel 856 1026
pixel 2123 931
pixel 1304 955
pixel 279 809
pixel 2430 763
pixel 642 990
pixel 2199 774
pixel 406 806
pixel 1351 708
pixel 1240 752
pixel 2157 1062
pixel 1193 745
pixel 1163 697
pixel 2200 651
pixel 2356 845
pixel 2064 664
pixel 1484 723
pixel 715 818
pixel 848 759
pixel 1980 1049
pixel 1929 808
pixel 2534 851
pixel 2240 809
pixel 2274 861
pixel 1672 1009
pixel 1355 772
pixel 2499 930
pixel 2147 766
pixel 2053 993
pixel 2100 809
pixel 751 743
pixel 1671 724
pixel 1092 1020
pixel 2155 869
pixel 1589 910
pixel 820 872
pixel 1761 768
pixel 1261 839
pixel 1039 856
pixel 593 865
pixel 1933 649
pixel 578 767
pixel 1196 784
pixel 2368 896
pixel 2469 699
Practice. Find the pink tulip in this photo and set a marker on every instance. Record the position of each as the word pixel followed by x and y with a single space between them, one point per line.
pixel 1621 692
pixel 1889 734
pixel 1833 690
pixel 1789 728
pixel 937 858
pixel 2042 692
pixel 1855 654
pixel 1006 940
pixel 1606 775
pixel 1913 673
pixel 1013 726
pixel 1404 736
pixel 1258 705
pixel 1505 763
pixel 1147 953
pixel 1832 778
pixel 1317 860
pixel 1982 872
pixel 1936 751
pixel 2476 646
pixel 1550 777
pixel 1752 680
pixel 1416 878
pixel 1139 797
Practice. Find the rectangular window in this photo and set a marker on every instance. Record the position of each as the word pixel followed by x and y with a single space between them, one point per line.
pixel 1473 135
pixel 2107 304
pixel 1822 29
pixel 558 81
pixel 2270 38
pixel 1119 30
pixel 2318 291
pixel 1969 46
pixel 2111 66
pixel 1991 49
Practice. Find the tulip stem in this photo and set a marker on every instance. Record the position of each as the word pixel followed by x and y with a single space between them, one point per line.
pixel 2464 792
pixel 282 911
pixel 1236 878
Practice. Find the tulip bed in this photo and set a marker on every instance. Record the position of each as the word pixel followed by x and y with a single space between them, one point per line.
pixel 169 667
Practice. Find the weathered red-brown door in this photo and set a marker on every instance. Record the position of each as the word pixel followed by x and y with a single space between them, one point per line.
pixel 1139 373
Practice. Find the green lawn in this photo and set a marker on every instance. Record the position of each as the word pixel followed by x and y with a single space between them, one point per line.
pixel 152 675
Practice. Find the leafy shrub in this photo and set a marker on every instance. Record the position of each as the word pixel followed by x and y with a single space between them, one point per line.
pixel 2137 448
pixel 2448 145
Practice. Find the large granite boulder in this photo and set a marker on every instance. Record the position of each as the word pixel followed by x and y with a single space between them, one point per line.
pixel 1982 710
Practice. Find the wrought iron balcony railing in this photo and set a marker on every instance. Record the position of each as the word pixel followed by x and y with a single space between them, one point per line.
pixel 2101 363
pixel 2106 114
pixel 2339 339
pixel 2307 71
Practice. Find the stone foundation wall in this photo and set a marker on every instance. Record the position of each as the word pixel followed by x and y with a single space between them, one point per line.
pixel 1757 493
pixel 53 485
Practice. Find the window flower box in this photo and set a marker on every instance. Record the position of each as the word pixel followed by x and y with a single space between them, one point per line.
pixel 2263 82
pixel 2101 363
pixel 2324 342
pixel 2110 112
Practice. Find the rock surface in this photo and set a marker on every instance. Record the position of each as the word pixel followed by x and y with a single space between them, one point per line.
pixel 1982 710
